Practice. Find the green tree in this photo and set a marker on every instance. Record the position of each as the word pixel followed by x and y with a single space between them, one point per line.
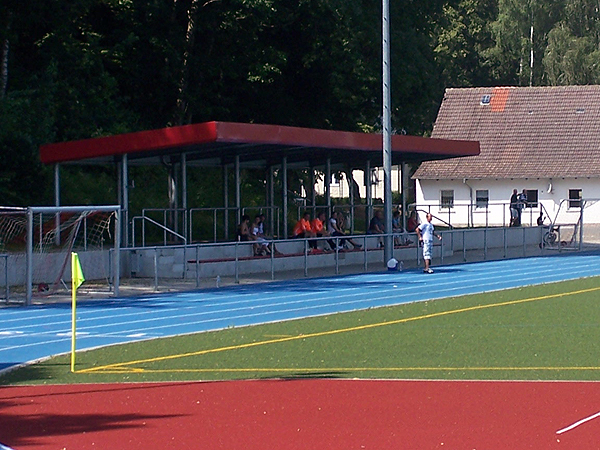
pixel 462 38
pixel 572 55
pixel 520 34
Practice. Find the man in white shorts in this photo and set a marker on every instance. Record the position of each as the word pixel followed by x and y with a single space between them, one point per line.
pixel 426 232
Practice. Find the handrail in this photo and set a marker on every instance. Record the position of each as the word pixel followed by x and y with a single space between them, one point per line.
pixel 154 222
pixel 449 225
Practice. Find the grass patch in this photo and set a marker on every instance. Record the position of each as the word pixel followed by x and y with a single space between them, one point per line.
pixel 546 332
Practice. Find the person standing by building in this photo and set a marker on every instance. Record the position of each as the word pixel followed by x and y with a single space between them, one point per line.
pixel 426 232
pixel 514 209
pixel 521 203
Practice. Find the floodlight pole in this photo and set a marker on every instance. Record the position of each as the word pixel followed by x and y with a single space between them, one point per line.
pixel 387 137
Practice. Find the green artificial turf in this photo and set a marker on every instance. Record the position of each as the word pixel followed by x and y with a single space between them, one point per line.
pixel 545 332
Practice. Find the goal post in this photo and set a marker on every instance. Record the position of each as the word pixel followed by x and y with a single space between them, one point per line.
pixel 52 233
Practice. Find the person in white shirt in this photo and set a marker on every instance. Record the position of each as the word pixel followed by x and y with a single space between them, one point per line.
pixel 335 228
pixel 426 232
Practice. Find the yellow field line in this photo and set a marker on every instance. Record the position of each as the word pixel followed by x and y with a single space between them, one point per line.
pixel 306 370
pixel 116 366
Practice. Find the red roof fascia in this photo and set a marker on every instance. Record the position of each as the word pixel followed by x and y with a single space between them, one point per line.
pixel 310 137
pixel 121 144
pixel 228 132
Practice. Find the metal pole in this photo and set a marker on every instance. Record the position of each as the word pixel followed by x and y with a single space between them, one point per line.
pixel 117 260
pixel 403 189
pixel 272 204
pixel 225 202
pixel 184 199
pixel 57 203
pixel 238 192
pixel 125 200
pixel 387 138
pixel 284 188
pixel 351 196
pixel 29 269
pixel 313 194
pixel 368 194
pixel 328 185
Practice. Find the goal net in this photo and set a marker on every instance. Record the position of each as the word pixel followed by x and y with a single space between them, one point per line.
pixel 36 244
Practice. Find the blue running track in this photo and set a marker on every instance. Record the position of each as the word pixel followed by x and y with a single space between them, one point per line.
pixel 31 333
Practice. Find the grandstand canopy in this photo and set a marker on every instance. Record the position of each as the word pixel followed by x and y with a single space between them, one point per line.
pixel 237 145
pixel 218 143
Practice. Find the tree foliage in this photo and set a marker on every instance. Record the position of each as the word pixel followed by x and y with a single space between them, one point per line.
pixel 82 68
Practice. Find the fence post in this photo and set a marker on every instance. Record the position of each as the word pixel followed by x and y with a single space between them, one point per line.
pixel 197 266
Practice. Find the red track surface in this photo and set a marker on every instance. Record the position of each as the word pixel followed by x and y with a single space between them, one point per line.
pixel 301 414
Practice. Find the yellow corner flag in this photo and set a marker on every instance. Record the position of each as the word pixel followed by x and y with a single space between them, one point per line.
pixel 77 274
pixel 77 279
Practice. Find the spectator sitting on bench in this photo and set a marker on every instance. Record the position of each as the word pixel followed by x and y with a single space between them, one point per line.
pixel 243 229
pixel 303 229
pixel 399 233
pixel 413 222
pixel 376 225
pixel 263 246
pixel 336 228
pixel 317 226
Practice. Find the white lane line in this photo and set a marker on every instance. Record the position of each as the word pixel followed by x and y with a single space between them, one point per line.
pixel 580 422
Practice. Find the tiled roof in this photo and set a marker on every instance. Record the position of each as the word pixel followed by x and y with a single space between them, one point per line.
pixel 524 132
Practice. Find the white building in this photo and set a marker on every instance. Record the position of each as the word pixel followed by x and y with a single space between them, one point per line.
pixel 544 140
pixel 339 187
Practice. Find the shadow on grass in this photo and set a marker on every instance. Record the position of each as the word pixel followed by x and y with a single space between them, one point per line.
pixel 33 373
pixel 310 375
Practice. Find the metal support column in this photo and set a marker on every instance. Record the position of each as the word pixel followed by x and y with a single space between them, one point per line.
pixel 57 203
pixel 403 189
pixel 124 201
pixel 238 192
pixel 351 196
pixel 225 200
pixel 284 197
pixel 313 196
pixel 29 259
pixel 387 126
pixel 328 185
pixel 184 195
pixel 368 194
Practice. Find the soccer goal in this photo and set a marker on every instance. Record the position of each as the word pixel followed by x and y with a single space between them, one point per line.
pixel 36 244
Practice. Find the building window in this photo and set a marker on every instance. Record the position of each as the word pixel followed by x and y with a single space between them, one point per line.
pixel 447 199
pixel 531 196
pixel 482 198
pixel 574 198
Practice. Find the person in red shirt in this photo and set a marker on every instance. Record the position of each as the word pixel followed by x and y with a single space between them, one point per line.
pixel 303 229
pixel 318 226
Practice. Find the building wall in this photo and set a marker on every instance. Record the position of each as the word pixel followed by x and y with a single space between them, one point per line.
pixel 552 194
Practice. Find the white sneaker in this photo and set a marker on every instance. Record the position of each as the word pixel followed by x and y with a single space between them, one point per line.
pixel 428 270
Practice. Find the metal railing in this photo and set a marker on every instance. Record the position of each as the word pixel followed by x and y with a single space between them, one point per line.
pixel 166 231
pixel 193 266
pixel 232 260
pixel 472 215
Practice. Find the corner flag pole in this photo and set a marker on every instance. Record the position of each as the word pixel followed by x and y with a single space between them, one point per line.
pixel 77 279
